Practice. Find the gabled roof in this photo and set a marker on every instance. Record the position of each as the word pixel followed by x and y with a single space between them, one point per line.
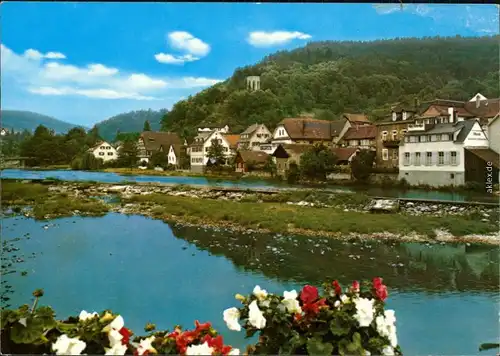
pixel 153 140
pixel 232 139
pixel 177 149
pixel 336 126
pixel 296 148
pixel 344 153
pixel 250 129
pixel 360 132
pixel 447 128
pixel 487 155
pixel 307 128
pixel 253 156
pixel 356 117
pixel 487 108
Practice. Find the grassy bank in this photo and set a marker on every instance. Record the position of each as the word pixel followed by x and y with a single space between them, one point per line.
pixel 47 204
pixel 277 217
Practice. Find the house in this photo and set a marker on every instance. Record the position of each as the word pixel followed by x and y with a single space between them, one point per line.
pixel 253 137
pixel 304 130
pixel 175 155
pixel 104 151
pixel 281 156
pixel 340 127
pixel 360 136
pixel 287 154
pixel 198 150
pixel 494 133
pixel 433 153
pixel 248 160
pixel 344 155
pixel 4 131
pixel 155 141
pixel 233 141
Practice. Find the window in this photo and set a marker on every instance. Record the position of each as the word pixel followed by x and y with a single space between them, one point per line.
pixel 445 137
pixel 407 159
pixel 440 158
pixel 423 138
pixel 428 159
pixel 384 135
pixel 417 159
pixel 404 115
pixel 110 153
pixel 101 153
pixel 395 155
pixel 385 154
pixel 413 139
pixel 407 139
pixel 433 138
pixel 394 116
pixel 394 135
pixel 206 149
pixel 452 175
pixel 453 158
pixel 403 132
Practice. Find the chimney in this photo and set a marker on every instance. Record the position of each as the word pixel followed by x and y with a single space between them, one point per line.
pixel 451 114
pixel 478 101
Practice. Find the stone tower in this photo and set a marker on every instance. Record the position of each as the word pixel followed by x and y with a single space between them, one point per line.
pixel 253 83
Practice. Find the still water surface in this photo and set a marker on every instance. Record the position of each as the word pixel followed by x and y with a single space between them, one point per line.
pixel 445 296
pixel 104 177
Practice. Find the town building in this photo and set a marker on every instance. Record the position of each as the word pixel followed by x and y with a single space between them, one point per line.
pixel 253 137
pixel 176 154
pixel 494 133
pixel 344 155
pixel 286 154
pixel 4 131
pixel 198 150
pixel 104 151
pixel 360 137
pixel 233 141
pixel 305 131
pixel 150 142
pixel 433 152
pixel 248 160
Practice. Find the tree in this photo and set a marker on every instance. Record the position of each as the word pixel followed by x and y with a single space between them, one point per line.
pixel 318 162
pixel 87 162
pixel 159 159
pixel 215 154
pixel 362 165
pixel 147 126
pixel 93 137
pixel 292 173
pixel 270 166
pixel 127 154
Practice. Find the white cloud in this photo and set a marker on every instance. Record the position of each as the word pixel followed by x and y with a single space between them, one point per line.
pixel 37 55
pixel 172 59
pixel 184 41
pixel 267 39
pixel 93 80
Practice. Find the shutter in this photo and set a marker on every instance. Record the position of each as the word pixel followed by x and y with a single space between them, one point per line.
pixel 458 158
pixel 447 158
pixel 434 159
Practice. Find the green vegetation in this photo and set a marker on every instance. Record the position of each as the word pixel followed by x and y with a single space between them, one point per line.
pixel 362 165
pixel 329 78
pixel 317 162
pixel 283 217
pixel 130 122
pixel 46 203
pixel 26 120
pixel 10 145
pixel 215 154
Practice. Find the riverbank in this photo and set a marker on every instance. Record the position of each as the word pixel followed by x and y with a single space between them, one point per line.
pixel 301 212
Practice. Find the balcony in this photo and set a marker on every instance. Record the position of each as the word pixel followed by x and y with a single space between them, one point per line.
pixel 389 142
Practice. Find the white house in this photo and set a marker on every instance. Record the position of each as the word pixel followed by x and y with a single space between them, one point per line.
pixel 104 151
pixel 253 137
pixel 198 150
pixel 434 153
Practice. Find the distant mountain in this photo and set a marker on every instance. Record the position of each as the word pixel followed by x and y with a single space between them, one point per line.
pixel 27 120
pixel 130 122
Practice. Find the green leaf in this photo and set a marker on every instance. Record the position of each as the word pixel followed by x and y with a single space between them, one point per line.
pixel 28 334
pixel 315 346
pixel 64 327
pixel 488 346
pixel 339 326
pixel 46 317
pixel 8 317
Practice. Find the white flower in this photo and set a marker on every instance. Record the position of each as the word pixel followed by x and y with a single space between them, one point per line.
pixel 364 311
pixel 386 326
pixel 261 294
pixel 388 351
pixel 291 303
pixel 255 316
pixel 336 304
pixel 232 317
pixel 68 346
pixel 202 349
pixel 234 352
pixel 367 353
pixel 117 349
pixel 344 298
pixel 114 337
pixel 86 316
pixel 145 345
pixel 113 329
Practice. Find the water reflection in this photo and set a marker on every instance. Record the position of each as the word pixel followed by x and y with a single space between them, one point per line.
pixel 405 266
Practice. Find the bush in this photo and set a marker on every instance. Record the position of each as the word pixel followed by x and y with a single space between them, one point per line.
pixel 87 162
pixel 403 184
pixel 292 173
pixel 362 165
pixel 474 187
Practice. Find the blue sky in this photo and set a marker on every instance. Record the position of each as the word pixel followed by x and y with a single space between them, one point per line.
pixel 84 62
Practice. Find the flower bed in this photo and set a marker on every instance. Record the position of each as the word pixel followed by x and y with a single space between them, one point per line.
pixel 351 321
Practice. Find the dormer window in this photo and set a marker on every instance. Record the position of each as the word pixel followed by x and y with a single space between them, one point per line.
pixel 404 115
pixel 394 116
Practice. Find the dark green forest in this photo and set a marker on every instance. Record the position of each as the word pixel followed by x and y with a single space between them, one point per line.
pixel 130 122
pixel 329 78
pixel 19 120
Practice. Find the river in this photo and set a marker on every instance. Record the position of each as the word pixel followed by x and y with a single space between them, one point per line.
pixel 105 177
pixel 445 296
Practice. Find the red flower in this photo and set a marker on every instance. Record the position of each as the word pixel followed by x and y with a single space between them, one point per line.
pixel 126 333
pixel 297 317
pixel 309 294
pixel 355 286
pixel 201 327
pixel 338 289
pixel 380 288
pixel 313 308
pixel 226 349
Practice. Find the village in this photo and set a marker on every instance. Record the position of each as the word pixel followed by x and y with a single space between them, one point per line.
pixel 436 143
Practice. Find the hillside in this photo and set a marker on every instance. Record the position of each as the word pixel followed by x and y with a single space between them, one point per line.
pixel 130 122
pixel 27 120
pixel 329 78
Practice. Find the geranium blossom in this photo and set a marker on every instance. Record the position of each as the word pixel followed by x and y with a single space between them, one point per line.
pixel 388 351
pixel 380 288
pixel 291 303
pixel 364 311
pixel 202 349
pixel 259 293
pixel 117 332
pixel 65 345
pixel 117 349
pixel 386 326
pixel 145 346
pixel 309 294
pixel 337 288
pixel 255 316
pixel 86 316
pixel 231 317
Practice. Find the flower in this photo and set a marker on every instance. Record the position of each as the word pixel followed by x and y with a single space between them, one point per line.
pixel 386 326
pixel 239 297
pixel 107 317
pixel 261 294
pixel 388 351
pixel 86 316
pixel 202 349
pixel 344 298
pixel 117 332
pixel 255 316
pixel 313 308
pixel 336 304
pixel 291 303
pixel 117 349
pixel 68 346
pixel 231 317
pixel 114 337
pixel 338 289
pixel 380 289
pixel 364 311
pixel 116 324
pixel 145 346
pixel 234 352
pixel 309 294
pixel 355 286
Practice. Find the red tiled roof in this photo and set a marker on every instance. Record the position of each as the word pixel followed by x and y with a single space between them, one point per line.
pixel 343 153
pixel 487 108
pixel 307 128
pixel 360 132
pixel 153 140
pixel 356 117
pixel 253 156
pixel 232 140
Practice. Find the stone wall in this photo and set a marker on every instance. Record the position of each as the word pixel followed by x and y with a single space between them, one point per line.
pixel 433 178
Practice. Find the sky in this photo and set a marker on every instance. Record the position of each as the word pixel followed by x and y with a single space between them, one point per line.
pixel 85 62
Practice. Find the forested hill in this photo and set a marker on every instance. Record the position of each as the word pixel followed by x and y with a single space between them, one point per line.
pixel 329 78
pixel 19 120
pixel 132 121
